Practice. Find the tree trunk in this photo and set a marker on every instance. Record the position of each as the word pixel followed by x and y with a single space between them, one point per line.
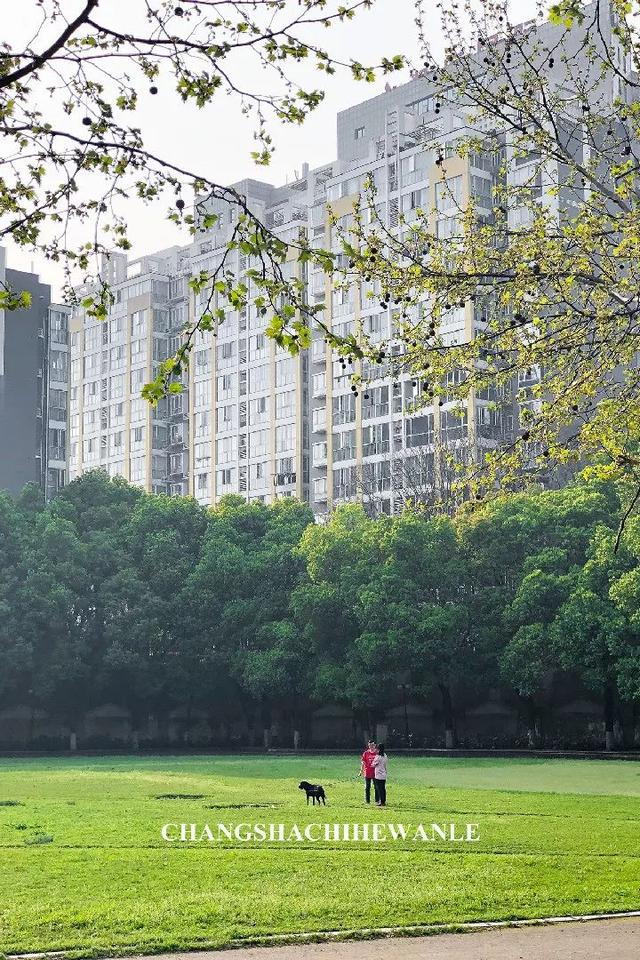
pixel 447 711
pixel 135 739
pixel 371 723
pixel 265 712
pixel 354 728
pixel 32 723
pixel 187 725
pixel 249 711
pixel 225 733
pixel 533 724
pixel 73 740
pixel 609 711
pixel 296 739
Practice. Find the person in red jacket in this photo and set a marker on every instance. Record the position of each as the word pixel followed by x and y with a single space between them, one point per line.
pixel 367 769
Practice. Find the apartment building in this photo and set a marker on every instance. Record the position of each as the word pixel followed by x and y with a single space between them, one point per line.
pixel 248 399
pixel 56 400
pixel 238 425
pixel 33 387
pixel 110 425
pixel 377 446
pixel 254 421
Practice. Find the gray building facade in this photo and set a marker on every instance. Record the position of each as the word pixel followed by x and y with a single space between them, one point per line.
pixel 33 387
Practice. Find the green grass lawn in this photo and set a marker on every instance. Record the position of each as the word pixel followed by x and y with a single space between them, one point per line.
pixel 83 867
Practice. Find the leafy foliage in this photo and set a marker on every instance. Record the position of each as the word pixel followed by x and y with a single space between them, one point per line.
pixel 253 612
pixel 76 148
pixel 540 251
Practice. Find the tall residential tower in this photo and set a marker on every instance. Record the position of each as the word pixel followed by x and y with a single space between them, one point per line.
pixel 255 421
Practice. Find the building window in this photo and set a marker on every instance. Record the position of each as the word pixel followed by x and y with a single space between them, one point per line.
pixel 258 379
pixel 202 423
pixel 138 323
pixel 320 488
pixel 58 365
pixel 258 410
pixel 285 405
pixel 202 454
pixel 226 417
pixel 225 386
pixel 203 362
pixel 285 437
pixel 117 357
pixel 225 352
pixel 137 471
pixel 449 193
pixel 57 404
pixel 227 449
pixel 225 477
pixel 257 346
pixel 319 454
pixel 319 384
pixel 258 443
pixel 319 419
pixel 137 437
pixel 358 133
pixel 344 408
pixel 138 350
pixel 257 475
pixel 375 439
pixel 202 393
pixel 413 201
pixel 285 372
pixel 344 445
pixel 286 465
pixel 137 379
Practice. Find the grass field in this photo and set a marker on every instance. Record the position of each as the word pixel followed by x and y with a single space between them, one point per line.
pixel 83 867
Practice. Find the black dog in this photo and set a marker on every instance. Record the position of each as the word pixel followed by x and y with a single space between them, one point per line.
pixel 315 791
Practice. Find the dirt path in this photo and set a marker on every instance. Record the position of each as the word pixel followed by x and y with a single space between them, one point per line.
pixel 590 940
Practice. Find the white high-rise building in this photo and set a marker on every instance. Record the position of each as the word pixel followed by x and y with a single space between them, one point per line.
pixel 252 419
pixel 255 421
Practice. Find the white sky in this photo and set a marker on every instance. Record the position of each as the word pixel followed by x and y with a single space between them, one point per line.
pixel 217 141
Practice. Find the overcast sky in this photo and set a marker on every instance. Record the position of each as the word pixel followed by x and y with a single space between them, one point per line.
pixel 217 141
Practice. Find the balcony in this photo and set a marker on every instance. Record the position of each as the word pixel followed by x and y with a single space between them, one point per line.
pixel 319 385
pixel 56 453
pixel 344 453
pixel 372 410
pixel 375 448
pixel 420 439
pixel 344 491
pixel 284 479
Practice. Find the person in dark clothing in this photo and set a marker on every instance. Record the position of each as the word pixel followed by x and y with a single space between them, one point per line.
pixel 380 771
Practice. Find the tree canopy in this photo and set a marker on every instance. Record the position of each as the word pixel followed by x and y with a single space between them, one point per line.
pixel 254 616
pixel 540 250
pixel 75 148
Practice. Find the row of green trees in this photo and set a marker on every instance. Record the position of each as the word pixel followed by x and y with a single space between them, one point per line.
pixel 108 594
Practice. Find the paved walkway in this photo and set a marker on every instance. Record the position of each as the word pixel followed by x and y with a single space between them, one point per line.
pixel 591 940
